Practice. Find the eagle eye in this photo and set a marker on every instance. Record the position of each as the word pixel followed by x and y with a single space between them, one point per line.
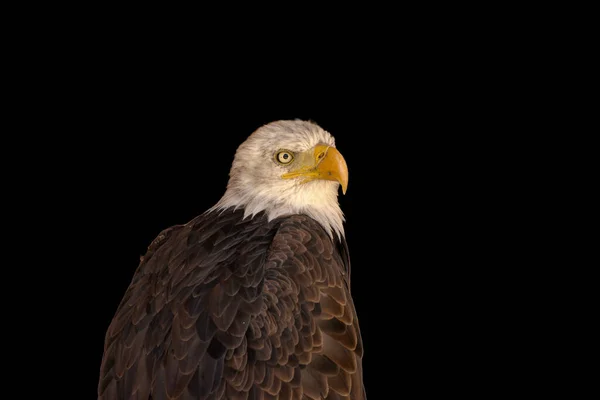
pixel 284 157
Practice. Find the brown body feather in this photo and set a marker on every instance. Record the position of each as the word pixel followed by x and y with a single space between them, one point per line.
pixel 232 308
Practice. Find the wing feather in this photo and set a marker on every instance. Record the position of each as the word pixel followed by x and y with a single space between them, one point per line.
pixel 227 307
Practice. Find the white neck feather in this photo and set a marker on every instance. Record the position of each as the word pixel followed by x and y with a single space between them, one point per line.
pixel 317 199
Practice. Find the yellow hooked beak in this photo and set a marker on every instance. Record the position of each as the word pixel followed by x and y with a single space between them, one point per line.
pixel 324 162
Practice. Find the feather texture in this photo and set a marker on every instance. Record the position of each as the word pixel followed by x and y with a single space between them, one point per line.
pixel 228 307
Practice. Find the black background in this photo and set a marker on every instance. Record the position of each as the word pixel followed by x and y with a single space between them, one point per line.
pixel 143 134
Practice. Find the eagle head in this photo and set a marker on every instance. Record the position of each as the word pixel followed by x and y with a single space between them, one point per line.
pixel 285 168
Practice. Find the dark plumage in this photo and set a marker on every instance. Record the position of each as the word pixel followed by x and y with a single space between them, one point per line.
pixel 231 308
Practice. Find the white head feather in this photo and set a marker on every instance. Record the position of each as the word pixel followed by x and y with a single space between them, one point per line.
pixel 255 182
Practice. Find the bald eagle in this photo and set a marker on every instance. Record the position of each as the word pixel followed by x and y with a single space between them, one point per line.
pixel 251 299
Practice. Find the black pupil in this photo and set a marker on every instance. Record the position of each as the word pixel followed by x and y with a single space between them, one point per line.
pixel 285 156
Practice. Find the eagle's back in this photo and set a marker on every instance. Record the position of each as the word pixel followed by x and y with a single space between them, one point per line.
pixel 231 308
